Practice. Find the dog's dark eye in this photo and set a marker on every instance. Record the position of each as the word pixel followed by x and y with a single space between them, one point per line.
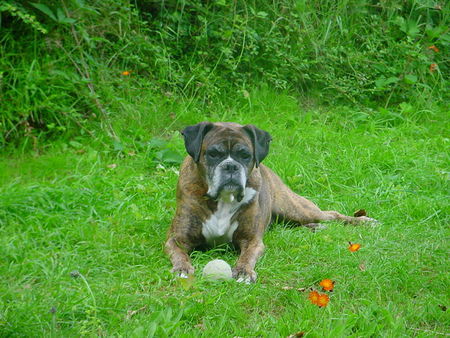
pixel 244 155
pixel 214 154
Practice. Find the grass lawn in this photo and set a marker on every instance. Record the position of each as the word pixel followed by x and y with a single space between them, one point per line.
pixel 82 230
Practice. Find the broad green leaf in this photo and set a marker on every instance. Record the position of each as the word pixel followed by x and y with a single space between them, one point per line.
pixel 118 146
pixel 75 144
pixel 157 143
pixel 44 9
pixel 382 82
pixel 262 14
pixel 410 79
pixel 60 14
pixel 169 156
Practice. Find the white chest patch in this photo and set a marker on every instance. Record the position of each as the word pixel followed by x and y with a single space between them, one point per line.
pixel 219 229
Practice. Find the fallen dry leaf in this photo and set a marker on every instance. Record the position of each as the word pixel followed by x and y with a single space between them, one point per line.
pixel 298 334
pixel 362 266
pixel 359 213
pixel 112 166
pixel 131 313
pixel 200 326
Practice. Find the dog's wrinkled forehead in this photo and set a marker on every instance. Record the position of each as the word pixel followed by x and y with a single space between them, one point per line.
pixel 227 137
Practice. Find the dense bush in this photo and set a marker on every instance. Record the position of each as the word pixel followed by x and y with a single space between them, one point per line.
pixel 60 61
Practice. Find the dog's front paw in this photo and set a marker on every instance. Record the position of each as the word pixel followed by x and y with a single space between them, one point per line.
pixel 244 275
pixel 183 270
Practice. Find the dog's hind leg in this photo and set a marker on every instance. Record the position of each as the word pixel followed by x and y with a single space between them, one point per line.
pixel 289 206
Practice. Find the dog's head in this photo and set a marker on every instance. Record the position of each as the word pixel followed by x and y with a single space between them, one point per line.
pixel 226 154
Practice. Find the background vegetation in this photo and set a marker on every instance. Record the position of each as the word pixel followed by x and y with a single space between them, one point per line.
pixel 61 61
pixel 92 95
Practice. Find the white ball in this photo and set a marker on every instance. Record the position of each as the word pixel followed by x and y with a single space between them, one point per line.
pixel 217 269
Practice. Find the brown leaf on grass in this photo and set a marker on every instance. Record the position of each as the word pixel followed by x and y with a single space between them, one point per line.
pixel 200 326
pixel 362 266
pixel 112 166
pixel 359 213
pixel 287 287
pixel 298 334
pixel 131 313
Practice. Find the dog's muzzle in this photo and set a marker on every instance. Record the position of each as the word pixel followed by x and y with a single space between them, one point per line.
pixel 228 178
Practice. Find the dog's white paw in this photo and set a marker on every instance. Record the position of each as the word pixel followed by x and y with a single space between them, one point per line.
pixel 369 221
pixel 183 271
pixel 244 276
pixel 315 226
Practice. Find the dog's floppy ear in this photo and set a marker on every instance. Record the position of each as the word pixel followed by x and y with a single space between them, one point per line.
pixel 193 138
pixel 260 140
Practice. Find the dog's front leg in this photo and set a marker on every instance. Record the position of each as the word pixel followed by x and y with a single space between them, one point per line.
pixel 178 253
pixel 251 250
pixel 184 235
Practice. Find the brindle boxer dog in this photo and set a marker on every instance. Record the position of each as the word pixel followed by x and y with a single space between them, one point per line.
pixel 225 194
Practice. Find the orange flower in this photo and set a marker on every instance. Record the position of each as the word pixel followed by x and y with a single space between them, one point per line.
pixel 327 285
pixel 434 48
pixel 433 67
pixel 314 297
pixel 323 300
pixel 126 73
pixel 354 247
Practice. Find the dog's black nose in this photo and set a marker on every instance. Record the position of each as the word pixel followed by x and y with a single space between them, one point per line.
pixel 231 167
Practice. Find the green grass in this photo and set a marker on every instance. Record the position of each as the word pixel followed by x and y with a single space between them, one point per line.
pixel 67 209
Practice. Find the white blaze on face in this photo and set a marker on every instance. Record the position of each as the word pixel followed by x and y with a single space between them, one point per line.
pixel 216 181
